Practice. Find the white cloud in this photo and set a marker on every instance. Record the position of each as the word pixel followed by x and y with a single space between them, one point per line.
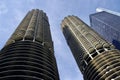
pixel 99 10
pixel 3 8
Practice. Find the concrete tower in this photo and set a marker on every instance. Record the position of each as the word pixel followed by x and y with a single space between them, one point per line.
pixel 28 54
pixel 96 58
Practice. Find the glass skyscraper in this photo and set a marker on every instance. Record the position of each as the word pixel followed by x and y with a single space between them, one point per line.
pixel 107 25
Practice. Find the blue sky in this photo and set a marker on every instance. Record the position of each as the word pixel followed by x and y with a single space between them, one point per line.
pixel 13 11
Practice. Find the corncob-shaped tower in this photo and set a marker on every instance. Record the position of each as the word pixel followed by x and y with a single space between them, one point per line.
pixel 96 58
pixel 28 54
